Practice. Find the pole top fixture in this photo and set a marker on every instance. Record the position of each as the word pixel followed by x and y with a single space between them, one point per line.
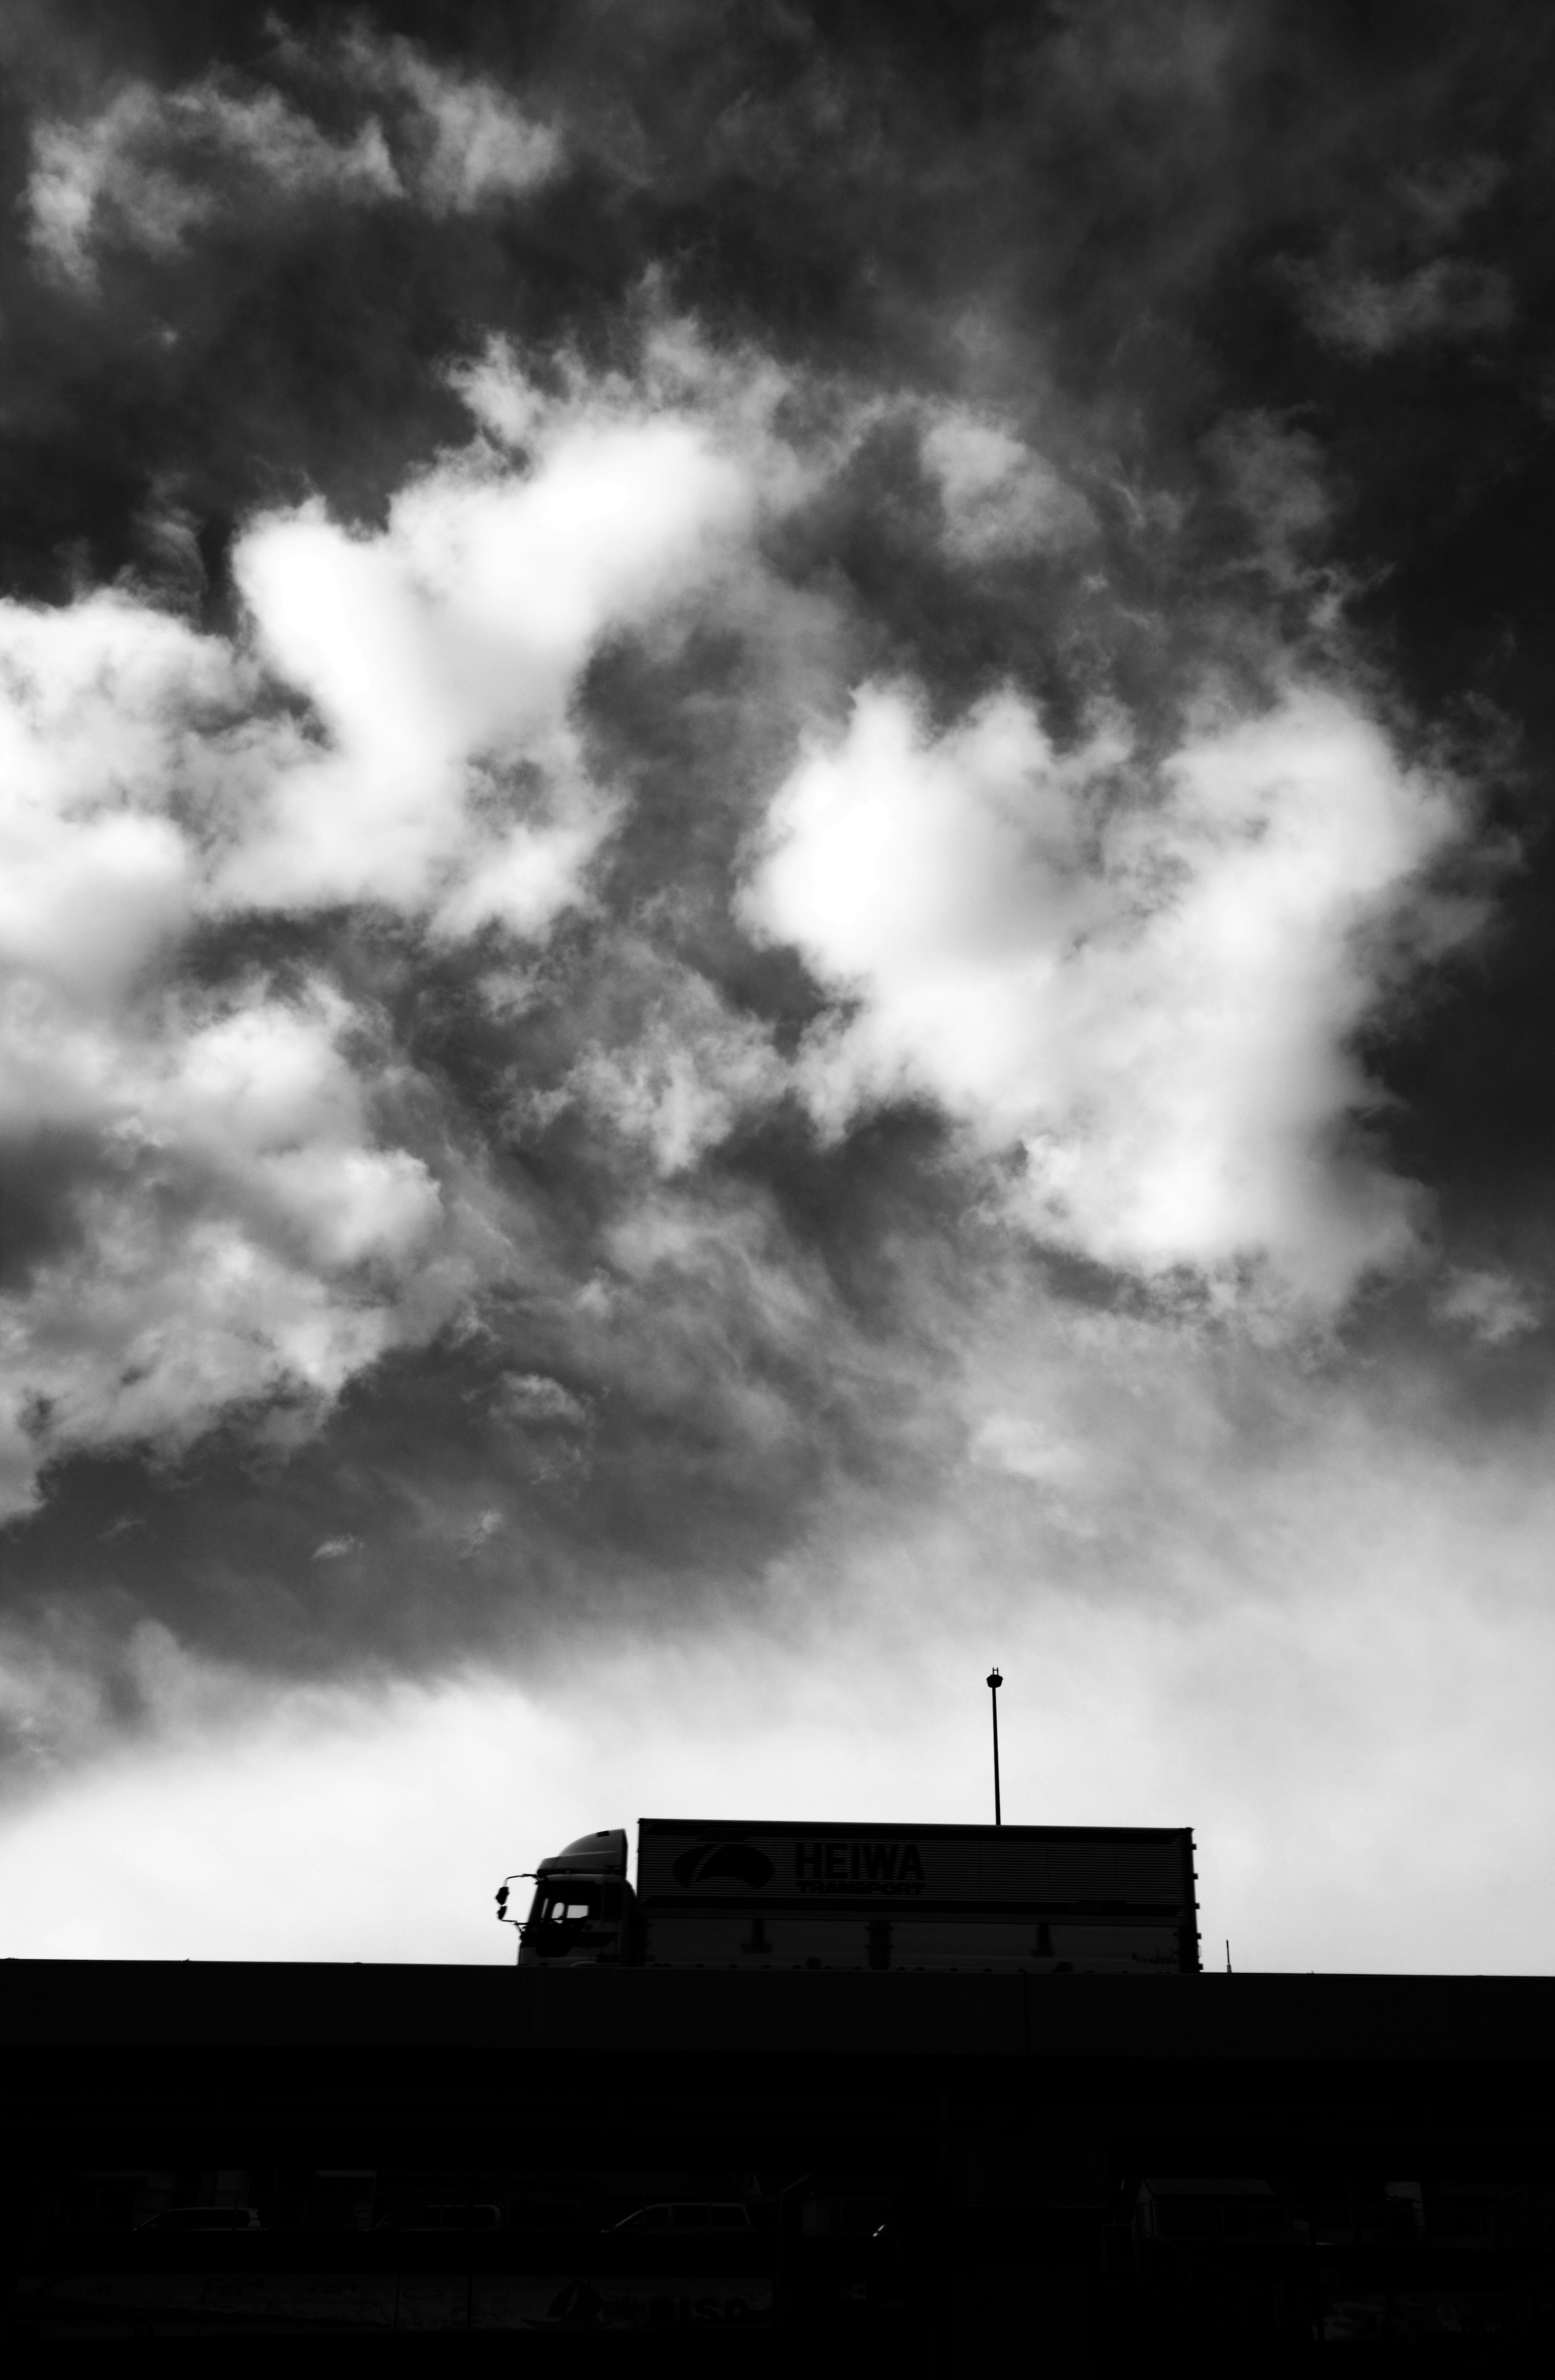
pixel 994 1680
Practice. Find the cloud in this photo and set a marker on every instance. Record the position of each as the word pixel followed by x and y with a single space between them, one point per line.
pixel 470 143
pixel 1443 193
pixel 99 748
pixel 672 1067
pixel 1145 983
pixel 153 167
pixel 1365 315
pixel 532 1397
pixel 999 497
pixel 239 1234
pixel 1023 1448
pixel 1490 1305
pixel 226 1221
pixel 1274 473
pixel 452 1235
pixel 395 731
pixel 443 655
pixel 1359 1719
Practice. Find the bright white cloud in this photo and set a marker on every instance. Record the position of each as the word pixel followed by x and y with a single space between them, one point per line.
pixel 98 754
pixel 231 1225
pixel 150 775
pixel 244 1220
pixel 444 656
pixel 1150 990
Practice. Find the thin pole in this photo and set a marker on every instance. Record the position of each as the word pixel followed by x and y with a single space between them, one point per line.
pixel 994 1683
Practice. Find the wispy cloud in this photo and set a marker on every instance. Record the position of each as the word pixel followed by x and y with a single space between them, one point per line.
pixel 1447 299
pixel 152 167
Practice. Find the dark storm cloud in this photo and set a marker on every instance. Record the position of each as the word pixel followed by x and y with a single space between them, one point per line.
pixel 1062 396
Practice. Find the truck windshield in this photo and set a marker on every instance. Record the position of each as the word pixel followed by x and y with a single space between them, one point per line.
pixel 558 1910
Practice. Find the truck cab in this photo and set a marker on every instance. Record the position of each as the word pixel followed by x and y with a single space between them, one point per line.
pixel 583 1912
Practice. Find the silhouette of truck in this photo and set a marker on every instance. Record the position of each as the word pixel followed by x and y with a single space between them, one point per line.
pixel 775 1893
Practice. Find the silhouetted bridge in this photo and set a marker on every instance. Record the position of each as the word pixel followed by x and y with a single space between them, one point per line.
pixel 965 2172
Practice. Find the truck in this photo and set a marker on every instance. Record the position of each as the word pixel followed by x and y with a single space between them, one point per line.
pixel 778 1893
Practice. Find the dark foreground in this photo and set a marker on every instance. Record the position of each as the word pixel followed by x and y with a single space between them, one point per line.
pixel 956 2173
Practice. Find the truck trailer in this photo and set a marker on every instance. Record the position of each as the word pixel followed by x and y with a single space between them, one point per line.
pixel 777 1893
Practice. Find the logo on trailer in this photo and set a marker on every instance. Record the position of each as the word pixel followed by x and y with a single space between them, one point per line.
pixel 723 1863
pixel 855 1869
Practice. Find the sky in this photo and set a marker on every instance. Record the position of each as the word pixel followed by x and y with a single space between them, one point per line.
pixel 776 913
